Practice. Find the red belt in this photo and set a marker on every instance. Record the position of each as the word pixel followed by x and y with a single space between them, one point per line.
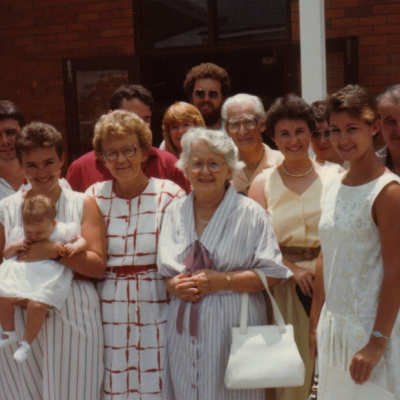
pixel 125 270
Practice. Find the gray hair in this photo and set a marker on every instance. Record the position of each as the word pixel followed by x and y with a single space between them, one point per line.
pixel 240 99
pixel 217 141
pixel 392 93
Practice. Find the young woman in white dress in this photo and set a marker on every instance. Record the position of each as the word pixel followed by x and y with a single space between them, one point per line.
pixel 359 325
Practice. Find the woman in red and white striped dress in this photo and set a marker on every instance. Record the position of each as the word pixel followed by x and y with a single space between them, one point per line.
pixel 67 356
pixel 133 295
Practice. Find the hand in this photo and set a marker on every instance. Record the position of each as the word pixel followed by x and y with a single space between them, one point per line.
pixel 304 277
pixel 22 245
pixel 209 281
pixel 184 287
pixel 365 360
pixel 68 250
pixel 38 251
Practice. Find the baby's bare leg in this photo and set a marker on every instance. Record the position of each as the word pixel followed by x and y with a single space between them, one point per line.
pixel 7 311
pixel 36 313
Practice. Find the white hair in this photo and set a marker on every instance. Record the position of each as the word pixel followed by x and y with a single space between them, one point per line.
pixel 240 99
pixel 217 141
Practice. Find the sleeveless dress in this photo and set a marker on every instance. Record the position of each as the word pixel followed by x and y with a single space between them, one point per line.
pixel 133 295
pixel 295 220
pixel 46 281
pixel 67 355
pixel 353 273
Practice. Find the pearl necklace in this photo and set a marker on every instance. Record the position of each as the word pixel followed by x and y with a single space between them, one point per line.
pixel 299 175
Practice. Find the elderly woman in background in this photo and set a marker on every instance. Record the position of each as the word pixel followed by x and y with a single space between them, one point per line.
pixel 133 295
pixel 177 120
pixel 210 242
pixel 67 356
pixel 291 194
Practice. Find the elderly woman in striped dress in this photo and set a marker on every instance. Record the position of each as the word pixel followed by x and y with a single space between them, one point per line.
pixel 210 242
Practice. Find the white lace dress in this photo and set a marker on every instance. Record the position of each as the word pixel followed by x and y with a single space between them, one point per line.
pixel 353 273
pixel 46 281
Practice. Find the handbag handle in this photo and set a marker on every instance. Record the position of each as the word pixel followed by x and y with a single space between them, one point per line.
pixel 244 307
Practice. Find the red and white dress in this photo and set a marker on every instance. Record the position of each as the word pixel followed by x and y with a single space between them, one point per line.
pixel 133 295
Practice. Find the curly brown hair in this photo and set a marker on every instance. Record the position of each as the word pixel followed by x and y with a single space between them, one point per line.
pixel 204 71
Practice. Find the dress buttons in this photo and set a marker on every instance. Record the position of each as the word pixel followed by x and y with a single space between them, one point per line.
pixel 194 364
pixel 193 386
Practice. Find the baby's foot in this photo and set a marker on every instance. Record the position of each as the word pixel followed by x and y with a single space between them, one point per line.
pixel 23 352
pixel 8 338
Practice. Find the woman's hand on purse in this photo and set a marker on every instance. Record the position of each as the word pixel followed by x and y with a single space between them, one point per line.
pixel 184 287
pixel 304 277
pixel 366 359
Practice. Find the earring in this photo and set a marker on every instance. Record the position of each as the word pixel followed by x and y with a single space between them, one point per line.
pixel 25 181
pixel 61 174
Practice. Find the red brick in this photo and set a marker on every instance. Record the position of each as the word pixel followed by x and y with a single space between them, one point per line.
pixel 122 22
pixel 54 11
pixel 360 11
pixel 76 9
pixel 373 20
pixel 120 4
pixel 88 17
pixel 56 28
pixel 45 38
pixel 99 25
pixel 87 35
pixel 394 18
pixel 78 26
pixel 359 31
pixel 55 47
pixel 33 13
pixel 294 6
pixel 127 12
pixel 22 23
pixel 394 38
pixel 35 30
pixel 79 44
pixel 387 49
pixel 67 37
pixel 334 13
pixel 44 3
pixel 375 80
pixel 394 58
pixel 100 43
pixel 334 33
pixel 366 69
pixel 373 60
pixel 344 3
pixel 129 50
pixel 295 27
pixel 373 40
pixel 386 29
pixel 24 40
pixel 36 48
pixel 295 17
pixel 345 22
pixel 99 6
pixel 111 14
pixel 128 31
pixel 111 33
pixel 122 41
pixel 387 9
pixel 365 50
pixel 387 69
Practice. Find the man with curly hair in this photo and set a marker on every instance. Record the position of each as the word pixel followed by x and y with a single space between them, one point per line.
pixel 207 86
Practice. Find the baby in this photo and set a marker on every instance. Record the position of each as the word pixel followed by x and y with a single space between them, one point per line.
pixel 41 284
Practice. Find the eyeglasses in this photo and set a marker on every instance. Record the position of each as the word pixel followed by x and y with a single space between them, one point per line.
pixel 127 151
pixel 317 135
pixel 248 123
pixel 201 94
pixel 212 166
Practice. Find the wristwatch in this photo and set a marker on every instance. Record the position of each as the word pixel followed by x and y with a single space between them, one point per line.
pixel 377 334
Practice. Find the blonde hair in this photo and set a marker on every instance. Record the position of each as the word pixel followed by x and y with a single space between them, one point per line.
pixel 179 112
pixel 37 208
pixel 120 123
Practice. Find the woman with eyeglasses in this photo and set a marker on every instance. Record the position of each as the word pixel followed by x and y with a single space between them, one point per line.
pixel 178 119
pixel 320 138
pixel 133 295
pixel 210 245
pixel 291 194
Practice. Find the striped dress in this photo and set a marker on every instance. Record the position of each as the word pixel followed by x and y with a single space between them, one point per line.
pixel 67 356
pixel 239 236
pixel 133 295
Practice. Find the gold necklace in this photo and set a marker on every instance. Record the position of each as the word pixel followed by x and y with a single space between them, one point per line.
pixel 205 221
pixel 299 175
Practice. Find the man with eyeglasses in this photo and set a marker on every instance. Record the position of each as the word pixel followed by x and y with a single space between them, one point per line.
pixel 88 169
pixel 244 118
pixel 320 138
pixel 206 86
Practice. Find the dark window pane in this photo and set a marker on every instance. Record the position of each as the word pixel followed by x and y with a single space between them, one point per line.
pixel 94 93
pixel 250 21
pixel 173 23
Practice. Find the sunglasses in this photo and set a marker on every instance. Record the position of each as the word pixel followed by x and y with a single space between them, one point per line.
pixel 201 94
pixel 317 135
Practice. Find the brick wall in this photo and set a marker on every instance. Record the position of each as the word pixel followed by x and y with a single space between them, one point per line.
pixel 34 37
pixel 377 24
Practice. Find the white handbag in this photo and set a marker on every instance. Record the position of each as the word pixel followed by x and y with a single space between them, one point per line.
pixel 263 356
